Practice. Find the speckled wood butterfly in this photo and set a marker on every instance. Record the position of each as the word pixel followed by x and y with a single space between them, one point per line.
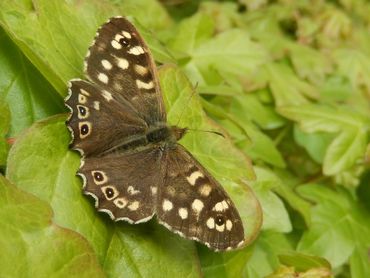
pixel 131 162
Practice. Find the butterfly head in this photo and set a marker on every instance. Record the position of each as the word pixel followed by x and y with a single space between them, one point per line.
pixel 178 132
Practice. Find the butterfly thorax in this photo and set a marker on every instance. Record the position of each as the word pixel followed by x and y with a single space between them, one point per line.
pixel 164 133
pixel 160 134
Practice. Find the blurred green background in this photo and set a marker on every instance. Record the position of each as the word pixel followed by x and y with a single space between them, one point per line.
pixel 287 82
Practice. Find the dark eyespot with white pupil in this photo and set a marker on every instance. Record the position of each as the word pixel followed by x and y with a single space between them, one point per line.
pixel 98 176
pixel 125 42
pixel 82 110
pixel 84 129
pixel 109 192
pixel 220 220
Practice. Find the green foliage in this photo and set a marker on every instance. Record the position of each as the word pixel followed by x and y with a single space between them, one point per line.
pixel 30 238
pixel 287 82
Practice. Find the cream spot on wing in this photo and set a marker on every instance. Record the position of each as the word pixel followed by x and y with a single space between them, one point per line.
pixel 194 176
pixel 136 50
pixel 211 223
pixel 84 92
pixel 221 206
pixel 120 202
pixel 107 95
pixel 167 205
pixel 218 207
pixel 205 190
pixel 141 70
pixel 126 34
pixel 122 63
pixel 134 205
pixel 142 85
pixel 99 177
pixel 197 206
pixel 220 228
pixel 118 37
pixel 154 189
pixel 96 105
pixel 106 64
pixel 229 225
pixel 131 190
pixel 110 192
pixel 103 78
pixel 183 212
pixel 82 99
pixel 116 44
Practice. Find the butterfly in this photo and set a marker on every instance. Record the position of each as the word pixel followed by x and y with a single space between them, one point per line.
pixel 132 163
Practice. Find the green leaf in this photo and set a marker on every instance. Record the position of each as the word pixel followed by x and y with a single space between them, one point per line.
pixel 57 47
pixel 223 13
pixel 191 32
pixel 264 26
pixel 285 271
pixel 355 65
pixel 315 144
pixel 247 137
pixel 267 185
pixel 336 89
pixel 53 46
pixel 231 53
pixel 27 94
pixel 4 127
pixel 309 63
pixel 227 264
pixel 339 225
pixel 249 106
pixel 359 262
pixel 265 254
pixel 347 147
pixel 302 262
pixel 275 215
pixel 262 147
pixel 30 238
pixel 140 9
pixel 286 87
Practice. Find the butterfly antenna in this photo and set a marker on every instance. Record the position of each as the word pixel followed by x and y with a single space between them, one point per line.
pixel 208 131
pixel 187 103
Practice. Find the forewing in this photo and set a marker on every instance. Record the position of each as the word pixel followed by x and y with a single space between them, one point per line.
pixel 193 204
pixel 119 61
pixel 97 122
pixel 124 185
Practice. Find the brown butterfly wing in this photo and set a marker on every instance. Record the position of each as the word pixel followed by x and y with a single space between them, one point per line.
pixel 98 124
pixel 119 62
pixel 124 185
pixel 193 204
